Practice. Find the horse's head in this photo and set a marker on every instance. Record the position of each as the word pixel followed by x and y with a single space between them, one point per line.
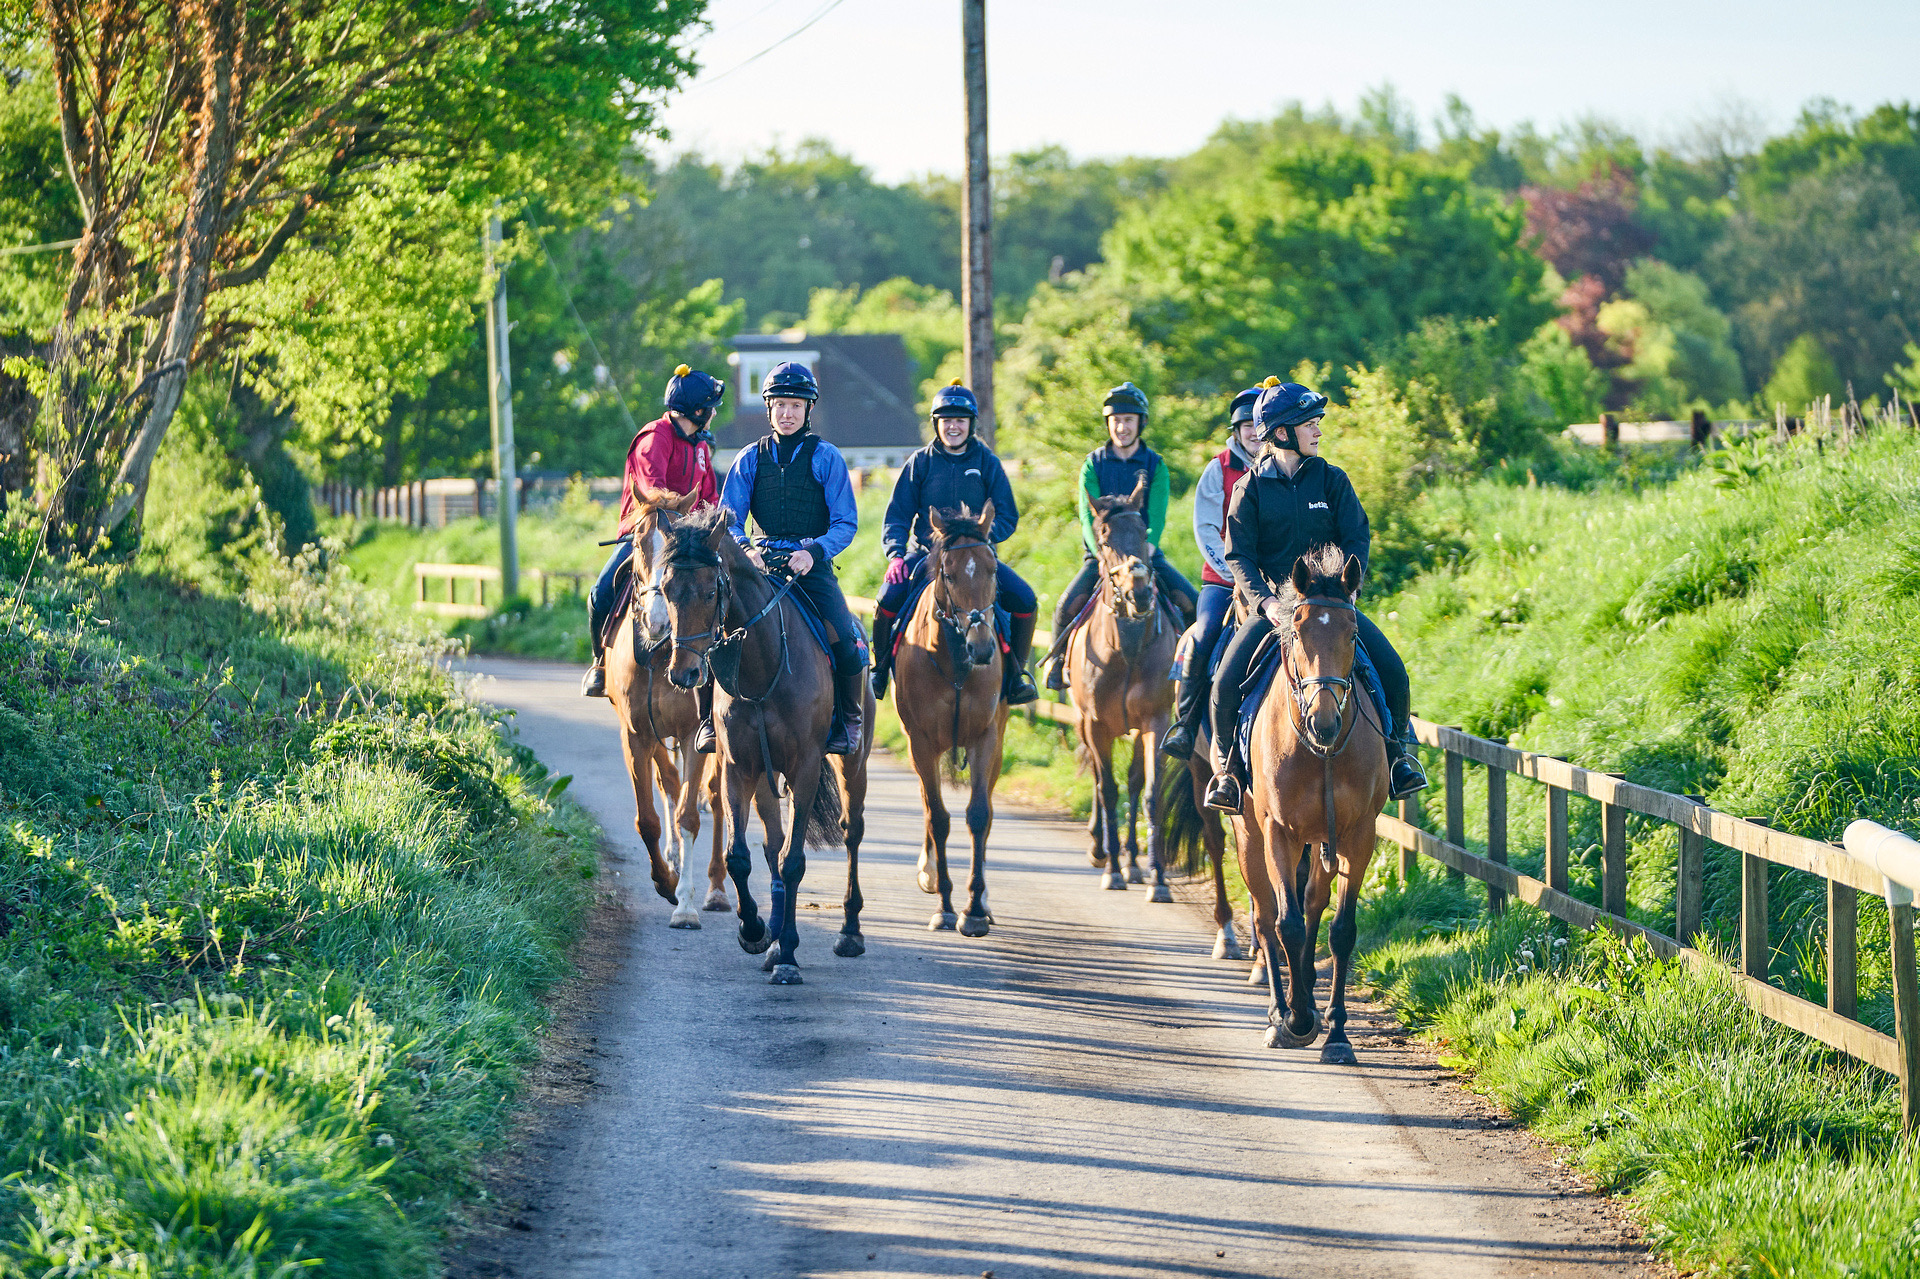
pixel 695 588
pixel 965 576
pixel 1126 556
pixel 649 555
pixel 1323 625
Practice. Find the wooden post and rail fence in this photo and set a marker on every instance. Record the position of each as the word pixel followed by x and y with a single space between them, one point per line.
pixel 445 601
pixel 1872 860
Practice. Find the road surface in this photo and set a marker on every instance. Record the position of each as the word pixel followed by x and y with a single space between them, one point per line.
pixel 1081 1093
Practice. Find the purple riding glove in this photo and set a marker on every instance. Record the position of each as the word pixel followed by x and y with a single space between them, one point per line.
pixel 896 571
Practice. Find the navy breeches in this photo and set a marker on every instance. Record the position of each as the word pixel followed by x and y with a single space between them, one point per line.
pixel 1216 604
pixel 822 590
pixel 1010 588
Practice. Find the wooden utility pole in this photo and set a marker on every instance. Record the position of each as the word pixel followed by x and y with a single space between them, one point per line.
pixel 976 249
pixel 500 412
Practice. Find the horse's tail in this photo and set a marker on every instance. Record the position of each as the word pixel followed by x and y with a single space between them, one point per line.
pixel 953 765
pixel 1185 824
pixel 823 817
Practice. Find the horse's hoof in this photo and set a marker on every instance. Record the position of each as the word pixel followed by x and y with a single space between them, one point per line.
pixel 850 946
pixel 1161 893
pixel 755 945
pixel 1135 875
pixel 1224 949
pixel 1115 881
pixel 943 921
pixel 785 975
pixel 717 900
pixel 766 965
pixel 1097 860
pixel 1338 1054
pixel 927 885
pixel 974 926
pixel 668 892
pixel 1272 1038
pixel 690 919
pixel 1282 1035
pixel 1256 976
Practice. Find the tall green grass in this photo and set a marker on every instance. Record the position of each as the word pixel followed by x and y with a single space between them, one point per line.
pixel 276 910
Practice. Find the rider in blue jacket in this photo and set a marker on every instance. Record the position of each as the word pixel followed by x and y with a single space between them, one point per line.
pixel 795 487
pixel 956 470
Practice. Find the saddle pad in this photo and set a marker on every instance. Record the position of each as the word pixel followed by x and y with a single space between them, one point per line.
pixel 622 597
pixel 818 628
pixel 1260 676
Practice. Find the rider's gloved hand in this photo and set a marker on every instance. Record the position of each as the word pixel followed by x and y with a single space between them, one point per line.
pixel 1275 612
pixel 896 570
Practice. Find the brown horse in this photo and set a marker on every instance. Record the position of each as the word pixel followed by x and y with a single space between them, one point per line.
pixel 657 722
pixel 1318 762
pixel 772 707
pixel 1117 664
pixel 947 692
pixel 1196 837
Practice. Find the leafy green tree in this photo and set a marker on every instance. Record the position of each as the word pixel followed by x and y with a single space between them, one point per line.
pixel 1827 138
pixel 1804 374
pixel 1679 344
pixel 1562 385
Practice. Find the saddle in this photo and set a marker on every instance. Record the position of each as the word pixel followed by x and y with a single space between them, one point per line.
pixel 622 598
pixel 1260 679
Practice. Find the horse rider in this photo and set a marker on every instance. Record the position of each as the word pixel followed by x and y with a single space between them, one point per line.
pixel 1291 501
pixel 1112 470
pixel 795 486
pixel 1210 499
pixel 957 469
pixel 674 454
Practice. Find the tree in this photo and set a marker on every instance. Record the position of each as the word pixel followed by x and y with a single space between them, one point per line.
pixel 1804 374
pixel 208 138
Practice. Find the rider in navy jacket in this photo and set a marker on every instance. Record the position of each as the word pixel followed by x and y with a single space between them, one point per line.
pixel 956 470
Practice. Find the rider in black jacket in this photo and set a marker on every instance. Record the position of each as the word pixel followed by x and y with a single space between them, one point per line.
pixel 1290 502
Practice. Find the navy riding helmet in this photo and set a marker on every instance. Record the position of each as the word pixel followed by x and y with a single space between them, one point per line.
pixel 1283 406
pixel 790 381
pixel 1241 410
pixel 694 393
pixel 955 400
pixel 1126 398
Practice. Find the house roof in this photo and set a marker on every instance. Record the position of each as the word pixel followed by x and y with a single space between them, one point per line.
pixel 866 388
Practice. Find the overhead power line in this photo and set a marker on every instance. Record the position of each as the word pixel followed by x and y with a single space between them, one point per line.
pixel 824 10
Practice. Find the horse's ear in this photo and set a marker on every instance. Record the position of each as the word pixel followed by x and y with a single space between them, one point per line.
pixel 685 501
pixel 722 535
pixel 1137 500
pixel 1302 578
pixel 939 520
pixel 1350 576
pixel 647 496
pixel 986 517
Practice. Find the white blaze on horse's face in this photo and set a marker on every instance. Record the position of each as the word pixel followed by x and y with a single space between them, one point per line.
pixel 970 567
pixel 1326 619
pixel 657 619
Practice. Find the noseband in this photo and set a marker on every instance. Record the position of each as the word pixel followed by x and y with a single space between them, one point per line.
pixel 953 621
pixel 1305 691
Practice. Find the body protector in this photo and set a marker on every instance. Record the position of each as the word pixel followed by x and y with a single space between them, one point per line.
pixel 1283 406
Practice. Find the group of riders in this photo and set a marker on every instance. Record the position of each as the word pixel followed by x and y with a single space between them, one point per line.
pixel 1264 501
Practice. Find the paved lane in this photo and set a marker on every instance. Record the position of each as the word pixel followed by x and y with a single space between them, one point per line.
pixel 1081 1093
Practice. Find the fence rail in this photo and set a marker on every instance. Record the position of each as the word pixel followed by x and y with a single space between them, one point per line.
pixel 481 575
pixel 1874 860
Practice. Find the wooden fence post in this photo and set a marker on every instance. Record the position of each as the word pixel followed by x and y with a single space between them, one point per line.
pixel 1702 432
pixel 1456 805
pixel 1409 858
pixel 1497 829
pixel 1689 893
pixel 1843 949
pixel 1755 949
pixel 1906 1001
pixel 1556 838
pixel 1610 430
pixel 1613 857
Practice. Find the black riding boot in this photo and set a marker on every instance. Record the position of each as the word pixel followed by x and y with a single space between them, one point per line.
pixel 1224 791
pixel 849 697
pixel 703 739
pixel 594 683
pixel 1189 706
pixel 1019 683
pixel 882 653
pixel 1408 777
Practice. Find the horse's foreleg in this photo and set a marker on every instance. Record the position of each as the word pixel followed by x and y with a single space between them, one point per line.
pixel 793 869
pixel 1156 836
pixel 1262 906
pixel 754 935
pixel 686 828
pixel 1106 800
pixel 717 858
pixel 1340 938
pixel 1136 778
pixel 1300 1025
pixel 933 875
pixel 646 818
pixel 853 795
pixel 979 822
pixel 1096 819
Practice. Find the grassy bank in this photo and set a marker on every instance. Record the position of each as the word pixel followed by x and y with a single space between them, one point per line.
pixel 276 907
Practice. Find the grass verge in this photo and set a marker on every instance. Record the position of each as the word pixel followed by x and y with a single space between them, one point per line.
pixel 276 910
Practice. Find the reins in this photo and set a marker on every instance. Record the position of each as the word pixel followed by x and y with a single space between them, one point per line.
pixel 724 647
pixel 954 627
pixel 1111 591
pixel 1301 692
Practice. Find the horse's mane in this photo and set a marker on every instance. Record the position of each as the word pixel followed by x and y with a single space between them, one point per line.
pixel 691 537
pixel 1325 563
pixel 959 524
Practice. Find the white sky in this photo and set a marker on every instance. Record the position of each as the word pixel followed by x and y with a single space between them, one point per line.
pixel 881 78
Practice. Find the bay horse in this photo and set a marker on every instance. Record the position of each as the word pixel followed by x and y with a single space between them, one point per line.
pixel 1118 662
pixel 1318 763
pixel 772 708
pixel 1196 837
pixel 657 720
pixel 946 689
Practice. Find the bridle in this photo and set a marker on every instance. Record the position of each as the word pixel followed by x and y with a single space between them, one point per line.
pixel 954 624
pixel 1305 691
pixel 1124 611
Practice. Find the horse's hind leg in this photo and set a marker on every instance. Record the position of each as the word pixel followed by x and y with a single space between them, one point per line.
pixel 1136 778
pixel 1156 828
pixel 686 828
pixel 933 876
pixel 853 794
pixel 717 860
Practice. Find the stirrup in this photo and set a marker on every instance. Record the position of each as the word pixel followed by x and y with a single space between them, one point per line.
pixel 1179 743
pixel 1223 793
pixel 1408 777
pixel 704 742
pixel 594 682
pixel 1022 690
pixel 1056 676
